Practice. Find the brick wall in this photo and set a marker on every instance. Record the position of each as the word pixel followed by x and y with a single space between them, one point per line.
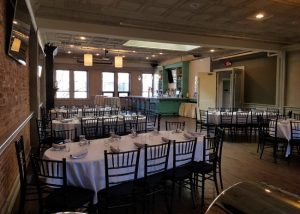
pixel 14 108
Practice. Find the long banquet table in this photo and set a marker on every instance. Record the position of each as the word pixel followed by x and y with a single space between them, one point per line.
pixel 89 172
pixel 67 124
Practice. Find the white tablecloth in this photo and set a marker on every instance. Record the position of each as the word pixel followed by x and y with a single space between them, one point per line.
pixel 89 172
pixel 112 102
pixel 99 100
pixel 187 110
pixel 284 131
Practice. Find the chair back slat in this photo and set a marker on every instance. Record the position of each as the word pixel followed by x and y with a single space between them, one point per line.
pixel 67 134
pixel 121 167
pixel 156 158
pixel 183 152
pixel 295 130
pixel 19 144
pixel 171 125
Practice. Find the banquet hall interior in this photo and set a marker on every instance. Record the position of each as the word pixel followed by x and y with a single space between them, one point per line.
pixel 124 78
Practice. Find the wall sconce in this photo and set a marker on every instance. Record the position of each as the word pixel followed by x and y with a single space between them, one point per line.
pixel 88 60
pixel 16 45
pixel 139 78
pixel 118 62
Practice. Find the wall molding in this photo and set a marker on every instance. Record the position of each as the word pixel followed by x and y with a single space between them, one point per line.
pixel 15 133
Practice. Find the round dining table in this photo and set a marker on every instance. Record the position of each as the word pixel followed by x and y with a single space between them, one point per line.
pixel 85 161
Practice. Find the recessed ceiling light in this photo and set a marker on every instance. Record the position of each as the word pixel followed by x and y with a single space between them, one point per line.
pixel 82 38
pixel 159 45
pixel 72 46
pixel 69 52
pixel 133 51
pixel 153 55
pixel 259 16
pixel 161 53
pixel 97 54
pixel 147 57
pixel 212 50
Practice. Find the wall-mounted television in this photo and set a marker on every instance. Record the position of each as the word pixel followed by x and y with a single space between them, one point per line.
pixel 19 33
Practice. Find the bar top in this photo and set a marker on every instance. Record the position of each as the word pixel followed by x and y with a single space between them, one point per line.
pixel 161 98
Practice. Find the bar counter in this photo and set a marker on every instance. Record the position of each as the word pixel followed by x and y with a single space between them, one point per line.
pixel 163 105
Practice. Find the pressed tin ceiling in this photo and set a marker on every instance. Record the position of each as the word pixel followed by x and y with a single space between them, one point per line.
pixel 216 18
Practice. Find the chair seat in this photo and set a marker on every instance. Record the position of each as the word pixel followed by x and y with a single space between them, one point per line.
pixel 118 191
pixel 69 198
pixel 154 181
pixel 179 173
pixel 202 167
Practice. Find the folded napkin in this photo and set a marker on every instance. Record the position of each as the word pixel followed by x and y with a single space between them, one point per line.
pixel 79 154
pixel 114 150
pixel 66 120
pixel 58 146
pixel 188 136
pixel 115 136
pixel 155 132
pixel 84 142
pixel 139 145
pixel 165 139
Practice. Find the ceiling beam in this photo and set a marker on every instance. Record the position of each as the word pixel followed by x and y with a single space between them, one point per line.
pixel 125 32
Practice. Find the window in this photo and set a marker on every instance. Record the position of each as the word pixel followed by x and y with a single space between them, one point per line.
pixel 108 84
pixel 80 84
pixel 123 84
pixel 147 85
pixel 63 83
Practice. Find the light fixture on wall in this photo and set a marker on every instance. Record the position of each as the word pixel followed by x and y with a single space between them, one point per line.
pixel 88 59
pixel 16 44
pixel 139 78
pixel 118 62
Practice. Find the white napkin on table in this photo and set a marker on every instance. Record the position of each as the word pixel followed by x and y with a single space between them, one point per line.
pixel 80 153
pixel 139 145
pixel 114 150
pixel 164 139
pixel 188 136
pixel 58 146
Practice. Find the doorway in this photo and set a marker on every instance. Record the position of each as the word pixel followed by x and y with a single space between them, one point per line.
pixel 230 87
pixel 226 93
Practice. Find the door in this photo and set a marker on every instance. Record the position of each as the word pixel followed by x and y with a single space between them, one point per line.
pixel 236 86
pixel 207 90
pixel 226 93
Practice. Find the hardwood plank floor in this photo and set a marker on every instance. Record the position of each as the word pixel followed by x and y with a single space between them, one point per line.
pixel 240 163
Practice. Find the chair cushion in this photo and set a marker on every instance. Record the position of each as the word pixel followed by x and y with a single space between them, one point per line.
pixel 68 198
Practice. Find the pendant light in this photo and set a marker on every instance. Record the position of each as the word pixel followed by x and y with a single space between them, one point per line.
pixel 88 59
pixel 118 62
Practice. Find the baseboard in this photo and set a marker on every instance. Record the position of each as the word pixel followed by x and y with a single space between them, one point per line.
pixel 11 199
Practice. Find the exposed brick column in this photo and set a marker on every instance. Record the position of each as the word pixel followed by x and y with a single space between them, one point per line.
pixel 50 51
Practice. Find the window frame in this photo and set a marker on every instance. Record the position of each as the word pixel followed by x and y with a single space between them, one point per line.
pixel 129 84
pixel 72 84
pixel 57 87
pixel 87 85
pixel 143 85
pixel 102 85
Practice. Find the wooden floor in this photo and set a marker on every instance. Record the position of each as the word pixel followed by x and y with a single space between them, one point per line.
pixel 240 163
